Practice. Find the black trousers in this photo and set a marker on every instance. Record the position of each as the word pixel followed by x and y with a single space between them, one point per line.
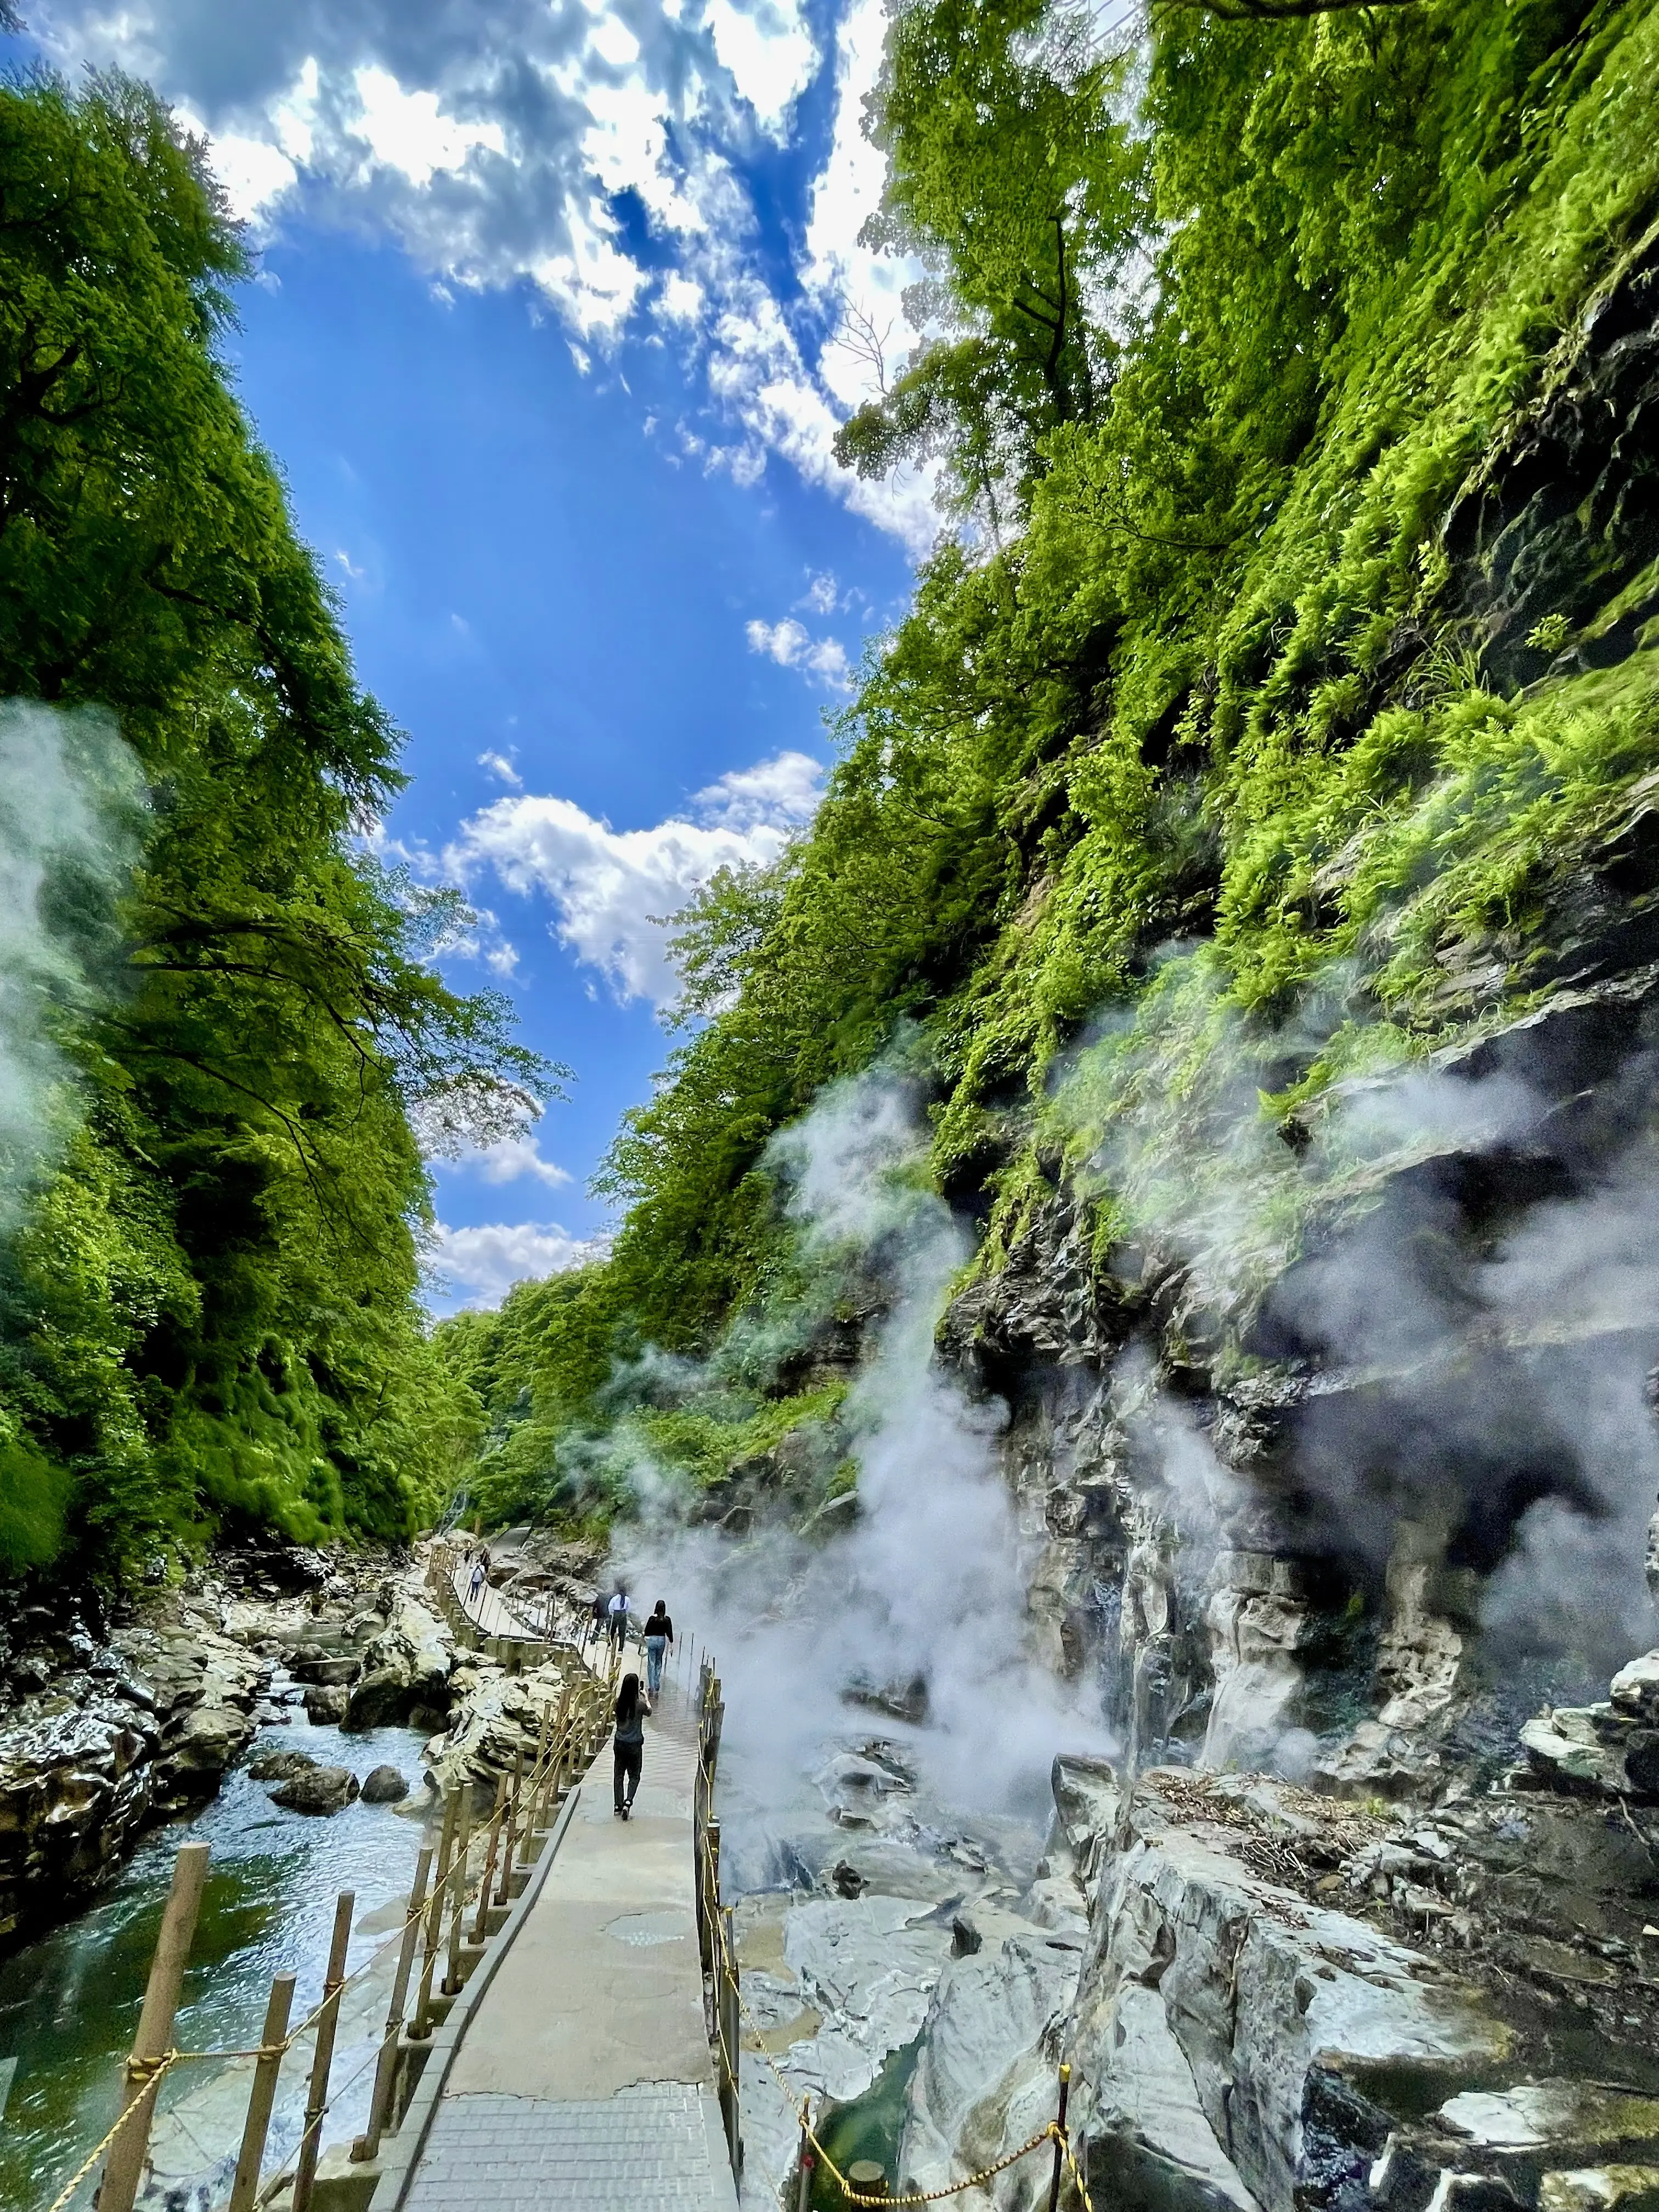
pixel 630 1757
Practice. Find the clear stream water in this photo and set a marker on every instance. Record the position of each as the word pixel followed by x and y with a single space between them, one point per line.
pixel 69 2001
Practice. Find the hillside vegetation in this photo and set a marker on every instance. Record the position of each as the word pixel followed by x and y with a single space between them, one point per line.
pixel 1280 674
pixel 215 1013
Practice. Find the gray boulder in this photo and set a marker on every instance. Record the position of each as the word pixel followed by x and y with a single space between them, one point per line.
pixel 326 1703
pixel 383 1786
pixel 279 1766
pixel 404 1669
pixel 317 1790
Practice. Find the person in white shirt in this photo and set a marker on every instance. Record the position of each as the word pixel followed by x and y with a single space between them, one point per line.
pixel 617 1615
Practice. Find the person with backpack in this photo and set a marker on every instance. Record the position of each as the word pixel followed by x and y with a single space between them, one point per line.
pixel 629 1744
pixel 659 1635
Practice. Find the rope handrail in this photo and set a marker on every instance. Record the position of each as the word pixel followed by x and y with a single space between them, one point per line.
pixel 579 1716
pixel 1056 2132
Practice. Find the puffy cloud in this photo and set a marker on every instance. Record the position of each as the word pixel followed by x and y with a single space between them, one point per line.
pixel 507 1160
pixel 779 794
pixel 614 889
pixel 499 765
pixel 791 646
pixel 478 1267
pixel 491 142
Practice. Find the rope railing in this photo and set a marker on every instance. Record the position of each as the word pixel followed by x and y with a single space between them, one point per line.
pixel 719 1955
pixel 442 1897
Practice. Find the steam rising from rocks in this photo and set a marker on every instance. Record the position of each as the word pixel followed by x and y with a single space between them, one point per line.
pixel 69 792
pixel 927 1584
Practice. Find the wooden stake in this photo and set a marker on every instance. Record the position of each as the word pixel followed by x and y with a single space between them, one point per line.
pixel 804 2172
pixel 512 1823
pixel 263 2096
pixel 421 2026
pixel 328 2021
pixel 481 1925
pixel 124 2166
pixel 458 1905
pixel 368 2145
pixel 728 2001
pixel 1060 2140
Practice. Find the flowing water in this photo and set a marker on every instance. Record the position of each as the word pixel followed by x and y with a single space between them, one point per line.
pixel 69 2001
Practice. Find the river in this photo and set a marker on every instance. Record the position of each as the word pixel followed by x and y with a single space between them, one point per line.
pixel 69 2001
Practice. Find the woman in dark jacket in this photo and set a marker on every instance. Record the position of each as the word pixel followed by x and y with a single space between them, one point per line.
pixel 629 1743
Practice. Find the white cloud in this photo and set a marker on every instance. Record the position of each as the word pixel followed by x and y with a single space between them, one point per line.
pixel 408 132
pixel 478 1266
pixel 490 142
pixel 770 52
pixel 774 795
pixel 822 595
pixel 509 1159
pixel 499 765
pixel 348 565
pixel 613 888
pixel 792 645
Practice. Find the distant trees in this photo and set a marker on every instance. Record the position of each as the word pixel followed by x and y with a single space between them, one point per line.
pixel 210 1311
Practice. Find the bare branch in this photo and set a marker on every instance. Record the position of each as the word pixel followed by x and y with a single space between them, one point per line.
pixel 857 334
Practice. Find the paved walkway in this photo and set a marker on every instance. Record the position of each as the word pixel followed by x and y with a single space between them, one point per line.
pixel 583 2078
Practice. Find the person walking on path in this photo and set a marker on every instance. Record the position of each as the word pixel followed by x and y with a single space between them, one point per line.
pixel 619 1619
pixel 478 1576
pixel 595 1633
pixel 659 1635
pixel 629 1744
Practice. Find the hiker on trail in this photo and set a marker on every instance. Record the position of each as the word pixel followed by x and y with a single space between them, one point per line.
pixel 600 1603
pixel 478 1575
pixel 629 1743
pixel 618 1613
pixel 659 1635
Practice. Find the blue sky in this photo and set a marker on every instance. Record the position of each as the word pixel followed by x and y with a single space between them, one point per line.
pixel 550 340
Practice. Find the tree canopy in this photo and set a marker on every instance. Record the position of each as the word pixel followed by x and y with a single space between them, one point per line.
pixel 207 1306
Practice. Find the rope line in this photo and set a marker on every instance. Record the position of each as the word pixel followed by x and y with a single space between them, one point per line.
pixel 584 1712
pixel 801 2106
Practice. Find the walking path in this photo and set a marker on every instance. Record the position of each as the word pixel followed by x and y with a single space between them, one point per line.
pixel 581 2078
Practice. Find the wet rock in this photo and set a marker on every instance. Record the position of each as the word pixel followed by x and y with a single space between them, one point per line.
pixel 279 1766
pixel 868 1966
pixel 405 1667
pixel 317 1790
pixel 326 1706
pixel 497 1717
pixel 846 1880
pixel 1212 1995
pixel 384 1785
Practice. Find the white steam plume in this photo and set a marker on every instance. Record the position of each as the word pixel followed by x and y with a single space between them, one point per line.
pixel 928 1582
pixel 67 791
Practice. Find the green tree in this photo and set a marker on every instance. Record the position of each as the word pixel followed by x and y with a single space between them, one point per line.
pixel 211 1310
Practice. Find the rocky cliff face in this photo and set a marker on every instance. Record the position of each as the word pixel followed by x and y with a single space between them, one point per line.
pixel 1341 1501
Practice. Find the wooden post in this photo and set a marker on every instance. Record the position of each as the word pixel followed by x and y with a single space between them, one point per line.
pixel 512 1823
pixel 711 1892
pixel 458 1904
pixel 804 2172
pixel 369 2143
pixel 1060 2140
pixel 727 1988
pixel 124 2166
pixel 328 2021
pixel 481 1923
pixel 421 2026
pixel 263 2096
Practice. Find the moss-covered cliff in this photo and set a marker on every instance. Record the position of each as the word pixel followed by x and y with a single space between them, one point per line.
pixel 1285 706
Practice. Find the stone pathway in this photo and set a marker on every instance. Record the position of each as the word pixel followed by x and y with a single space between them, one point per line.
pixel 584 2077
